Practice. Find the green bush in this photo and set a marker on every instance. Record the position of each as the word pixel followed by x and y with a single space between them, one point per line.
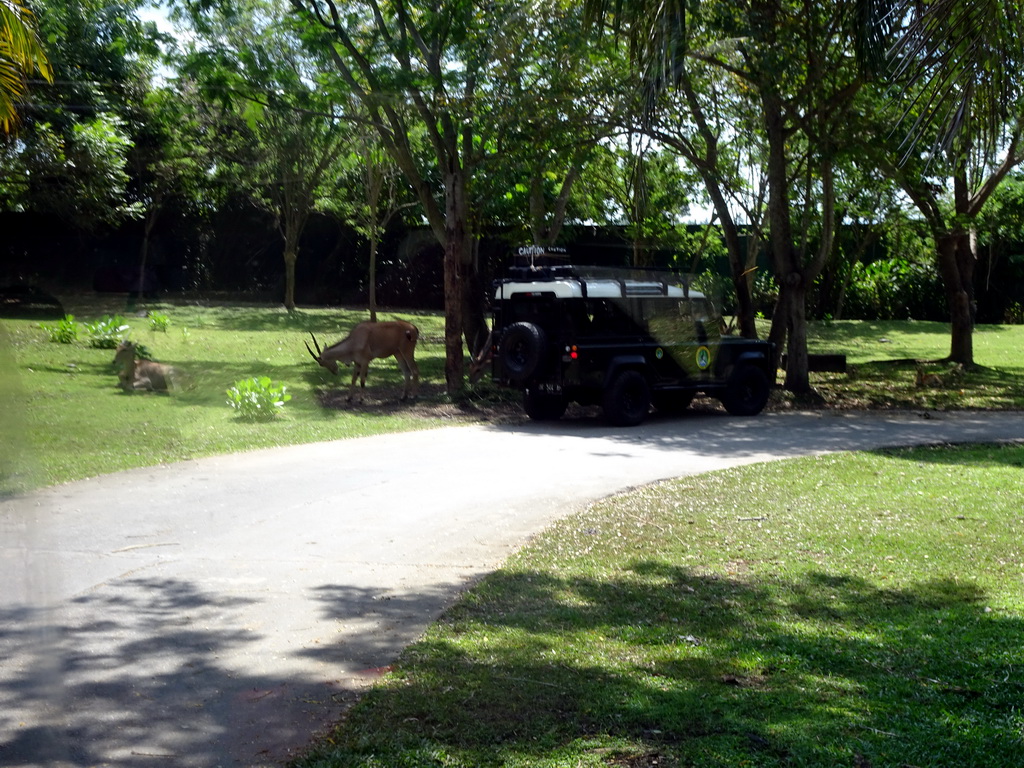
pixel 895 289
pixel 1014 314
pixel 106 333
pixel 64 332
pixel 257 399
pixel 142 352
pixel 158 321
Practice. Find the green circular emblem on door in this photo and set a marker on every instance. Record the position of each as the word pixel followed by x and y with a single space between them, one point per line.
pixel 703 357
pixel 659 353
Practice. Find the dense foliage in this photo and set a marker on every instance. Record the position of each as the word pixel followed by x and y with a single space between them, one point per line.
pixel 304 156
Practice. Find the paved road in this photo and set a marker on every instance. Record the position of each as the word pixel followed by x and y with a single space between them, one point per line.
pixel 219 612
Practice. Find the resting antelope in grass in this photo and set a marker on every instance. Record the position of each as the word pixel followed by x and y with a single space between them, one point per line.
pixel 368 341
pixel 140 374
pixel 927 379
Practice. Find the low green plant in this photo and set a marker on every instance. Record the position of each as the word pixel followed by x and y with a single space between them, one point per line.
pixel 64 332
pixel 158 321
pixel 142 352
pixel 107 332
pixel 258 398
pixel 1014 314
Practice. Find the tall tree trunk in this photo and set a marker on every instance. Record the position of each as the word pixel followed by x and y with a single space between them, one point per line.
pixel 789 323
pixel 373 272
pixel 956 265
pixel 474 305
pixel 737 259
pixel 455 249
pixel 797 376
pixel 291 256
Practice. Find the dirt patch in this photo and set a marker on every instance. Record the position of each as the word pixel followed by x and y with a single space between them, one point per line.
pixel 433 404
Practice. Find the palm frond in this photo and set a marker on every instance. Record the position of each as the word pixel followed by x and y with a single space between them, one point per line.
pixel 967 56
pixel 21 52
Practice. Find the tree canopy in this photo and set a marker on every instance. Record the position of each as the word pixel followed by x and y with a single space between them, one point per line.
pixel 809 131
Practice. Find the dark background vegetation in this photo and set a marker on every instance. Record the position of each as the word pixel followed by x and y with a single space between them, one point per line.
pixel 239 254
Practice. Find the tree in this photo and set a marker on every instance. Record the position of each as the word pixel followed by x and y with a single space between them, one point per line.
pixel 713 129
pixel 250 59
pixel 791 59
pixel 21 53
pixel 646 192
pixel 168 163
pixel 961 59
pixel 384 197
pixel 950 193
pixel 433 65
pixel 70 159
pixel 958 64
pixel 561 100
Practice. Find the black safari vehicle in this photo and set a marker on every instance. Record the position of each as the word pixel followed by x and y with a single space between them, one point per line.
pixel 621 339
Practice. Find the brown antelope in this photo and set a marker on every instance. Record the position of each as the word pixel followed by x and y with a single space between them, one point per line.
pixel 371 340
pixel 927 379
pixel 140 374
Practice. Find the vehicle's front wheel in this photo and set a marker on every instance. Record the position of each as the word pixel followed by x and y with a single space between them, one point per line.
pixel 543 406
pixel 748 391
pixel 627 399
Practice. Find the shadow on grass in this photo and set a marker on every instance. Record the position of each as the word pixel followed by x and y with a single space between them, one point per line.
pixel 333 323
pixel 980 455
pixel 690 669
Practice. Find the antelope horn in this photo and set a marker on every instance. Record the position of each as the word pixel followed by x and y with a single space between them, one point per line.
pixel 318 352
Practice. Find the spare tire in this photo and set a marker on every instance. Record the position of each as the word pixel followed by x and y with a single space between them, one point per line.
pixel 521 351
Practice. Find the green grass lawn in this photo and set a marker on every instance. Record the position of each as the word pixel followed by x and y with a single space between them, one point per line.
pixel 859 610
pixel 64 418
pixel 848 610
pixel 69 420
pixel 883 358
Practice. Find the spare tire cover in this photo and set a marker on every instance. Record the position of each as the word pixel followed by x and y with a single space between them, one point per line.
pixel 521 351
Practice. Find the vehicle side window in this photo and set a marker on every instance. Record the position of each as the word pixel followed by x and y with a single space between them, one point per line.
pixel 669 321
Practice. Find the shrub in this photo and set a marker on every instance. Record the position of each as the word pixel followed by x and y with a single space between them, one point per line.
pixel 64 332
pixel 142 352
pixel 159 322
pixel 1014 314
pixel 895 289
pixel 106 333
pixel 257 399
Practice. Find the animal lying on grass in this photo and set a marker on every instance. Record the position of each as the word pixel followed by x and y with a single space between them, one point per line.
pixel 368 341
pixel 952 377
pixel 136 373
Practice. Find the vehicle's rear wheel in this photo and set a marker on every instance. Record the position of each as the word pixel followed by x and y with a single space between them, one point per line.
pixel 544 406
pixel 674 402
pixel 627 399
pixel 748 391
pixel 521 351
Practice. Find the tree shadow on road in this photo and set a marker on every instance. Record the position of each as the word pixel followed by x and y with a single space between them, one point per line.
pixel 151 670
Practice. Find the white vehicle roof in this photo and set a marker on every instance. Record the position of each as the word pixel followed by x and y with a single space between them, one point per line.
pixel 573 288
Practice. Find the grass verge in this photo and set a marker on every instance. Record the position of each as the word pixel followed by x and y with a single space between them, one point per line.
pixel 63 417
pixel 883 359
pixel 69 420
pixel 856 610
